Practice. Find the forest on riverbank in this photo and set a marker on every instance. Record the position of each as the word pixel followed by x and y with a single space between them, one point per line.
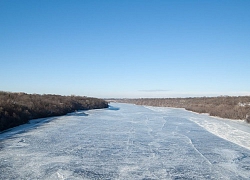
pixel 230 107
pixel 19 108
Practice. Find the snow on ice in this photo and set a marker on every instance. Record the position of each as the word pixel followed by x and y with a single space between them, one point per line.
pixel 127 142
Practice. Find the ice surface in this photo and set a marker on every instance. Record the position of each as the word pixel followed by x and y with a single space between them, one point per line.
pixel 126 142
pixel 236 131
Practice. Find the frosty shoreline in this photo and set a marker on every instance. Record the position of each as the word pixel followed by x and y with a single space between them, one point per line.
pixel 236 131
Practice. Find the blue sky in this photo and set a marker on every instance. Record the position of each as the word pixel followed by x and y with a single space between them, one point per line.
pixel 125 48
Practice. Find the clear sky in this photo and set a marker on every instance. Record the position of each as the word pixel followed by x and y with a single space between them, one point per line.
pixel 115 48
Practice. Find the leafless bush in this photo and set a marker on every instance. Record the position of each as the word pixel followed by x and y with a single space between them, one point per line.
pixel 248 118
pixel 18 108
pixel 223 106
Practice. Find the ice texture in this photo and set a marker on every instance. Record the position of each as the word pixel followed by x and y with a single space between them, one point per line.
pixel 127 142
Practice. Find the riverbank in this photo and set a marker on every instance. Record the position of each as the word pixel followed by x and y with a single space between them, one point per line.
pixel 19 108
pixel 229 107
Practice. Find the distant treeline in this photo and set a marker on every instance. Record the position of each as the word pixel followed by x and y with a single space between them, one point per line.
pixel 19 108
pixel 222 106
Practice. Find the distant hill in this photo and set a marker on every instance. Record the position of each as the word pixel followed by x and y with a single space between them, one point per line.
pixel 230 107
pixel 19 108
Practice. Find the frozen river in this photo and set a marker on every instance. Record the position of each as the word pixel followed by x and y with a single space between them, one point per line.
pixel 127 142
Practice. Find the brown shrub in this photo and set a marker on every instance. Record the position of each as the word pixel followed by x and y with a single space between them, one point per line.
pixel 18 108
pixel 248 118
pixel 222 106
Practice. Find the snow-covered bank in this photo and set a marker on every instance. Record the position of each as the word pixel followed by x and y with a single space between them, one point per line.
pixel 236 131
